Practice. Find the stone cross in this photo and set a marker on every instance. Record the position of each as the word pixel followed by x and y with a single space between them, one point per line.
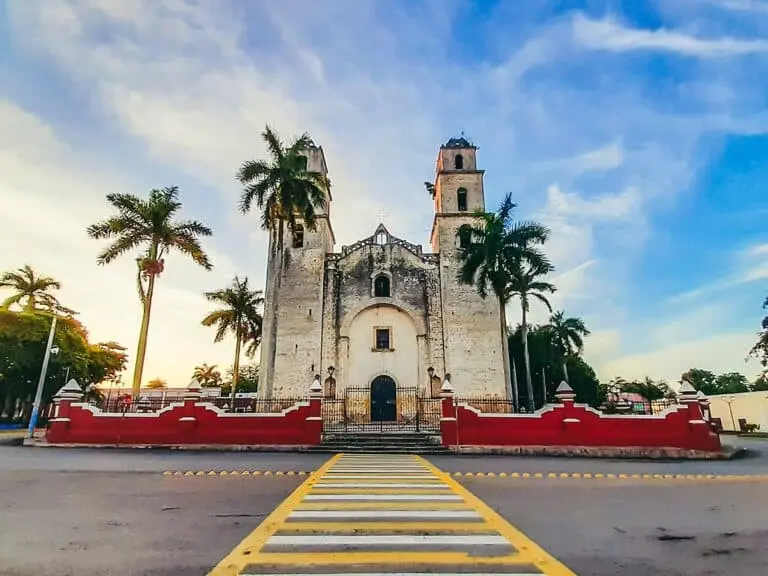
pixel 381 215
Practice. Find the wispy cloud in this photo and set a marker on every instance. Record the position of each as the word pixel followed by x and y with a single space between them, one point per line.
pixel 608 34
pixel 177 91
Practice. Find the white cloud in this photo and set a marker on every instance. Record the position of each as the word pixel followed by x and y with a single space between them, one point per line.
pixel 608 34
pixel 175 80
pixel 50 195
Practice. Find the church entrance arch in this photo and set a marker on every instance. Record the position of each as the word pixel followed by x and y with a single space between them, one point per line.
pixel 383 399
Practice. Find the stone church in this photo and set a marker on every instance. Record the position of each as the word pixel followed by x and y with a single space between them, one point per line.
pixel 382 313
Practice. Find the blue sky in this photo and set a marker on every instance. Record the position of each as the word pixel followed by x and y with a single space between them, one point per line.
pixel 636 130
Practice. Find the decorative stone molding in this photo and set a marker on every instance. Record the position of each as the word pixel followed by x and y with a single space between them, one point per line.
pixel 70 391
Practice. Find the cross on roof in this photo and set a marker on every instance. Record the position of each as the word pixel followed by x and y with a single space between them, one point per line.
pixel 381 214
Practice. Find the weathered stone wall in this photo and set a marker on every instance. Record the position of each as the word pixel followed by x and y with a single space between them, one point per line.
pixel 413 297
pixel 299 310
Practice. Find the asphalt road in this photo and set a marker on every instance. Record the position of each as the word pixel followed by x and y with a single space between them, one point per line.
pixel 127 524
pixel 112 512
pixel 639 528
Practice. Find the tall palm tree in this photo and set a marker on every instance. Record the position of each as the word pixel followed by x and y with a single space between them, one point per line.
pixel 33 290
pixel 526 284
pixel 282 187
pixel 207 375
pixel 150 226
pixel 239 314
pixel 497 246
pixel 567 336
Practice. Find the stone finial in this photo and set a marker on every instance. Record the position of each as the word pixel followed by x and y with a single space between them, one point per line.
pixel 687 393
pixel 564 392
pixel 447 387
pixel 193 390
pixel 70 391
pixel 316 387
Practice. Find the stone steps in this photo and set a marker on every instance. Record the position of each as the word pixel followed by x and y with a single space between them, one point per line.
pixel 382 443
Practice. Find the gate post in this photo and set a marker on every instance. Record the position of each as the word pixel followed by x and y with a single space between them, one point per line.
pixel 449 431
pixel 314 422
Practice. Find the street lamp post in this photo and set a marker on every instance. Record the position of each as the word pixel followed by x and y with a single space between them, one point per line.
pixel 39 394
pixel 730 400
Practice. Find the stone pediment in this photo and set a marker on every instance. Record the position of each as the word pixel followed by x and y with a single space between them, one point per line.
pixel 382 237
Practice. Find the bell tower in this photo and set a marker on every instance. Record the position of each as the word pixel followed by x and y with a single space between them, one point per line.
pixel 293 307
pixel 471 324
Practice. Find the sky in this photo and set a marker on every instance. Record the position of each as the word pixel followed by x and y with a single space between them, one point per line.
pixel 637 131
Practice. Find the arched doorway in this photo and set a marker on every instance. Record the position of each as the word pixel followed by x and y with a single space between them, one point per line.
pixel 383 399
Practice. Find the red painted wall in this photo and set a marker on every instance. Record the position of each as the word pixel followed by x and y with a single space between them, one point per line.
pixel 190 423
pixel 570 424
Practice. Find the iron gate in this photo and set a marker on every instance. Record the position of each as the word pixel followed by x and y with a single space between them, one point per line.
pixel 363 409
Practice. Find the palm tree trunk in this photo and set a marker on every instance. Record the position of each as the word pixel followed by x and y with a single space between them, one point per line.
pixel 511 390
pixel 565 371
pixel 143 333
pixel 236 368
pixel 544 384
pixel 528 381
pixel 515 387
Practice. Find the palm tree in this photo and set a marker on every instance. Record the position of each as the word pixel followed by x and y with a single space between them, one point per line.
pixel 149 225
pixel 490 251
pixel 207 375
pixel 157 384
pixel 525 283
pixel 239 314
pixel 282 187
pixel 567 336
pixel 33 290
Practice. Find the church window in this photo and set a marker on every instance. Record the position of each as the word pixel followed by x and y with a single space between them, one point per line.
pixel 381 286
pixel 381 238
pixel 302 162
pixel 458 162
pixel 383 340
pixel 461 198
pixel 298 236
pixel 465 236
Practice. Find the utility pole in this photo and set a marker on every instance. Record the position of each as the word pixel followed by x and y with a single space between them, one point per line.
pixel 41 382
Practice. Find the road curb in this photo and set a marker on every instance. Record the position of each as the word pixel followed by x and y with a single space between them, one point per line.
pixel 612 476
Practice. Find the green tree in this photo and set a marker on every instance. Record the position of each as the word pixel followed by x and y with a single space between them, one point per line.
pixel 761 384
pixel 702 380
pixel 492 252
pixel 647 389
pixel 240 315
pixel 760 350
pixel 526 284
pixel 567 336
pixel 149 225
pixel 207 376
pixel 247 380
pixel 547 366
pixel 731 383
pixel 23 336
pixel 282 187
pixel 31 291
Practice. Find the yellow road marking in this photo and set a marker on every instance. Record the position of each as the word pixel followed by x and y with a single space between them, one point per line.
pixel 249 551
pixel 519 540
pixel 235 561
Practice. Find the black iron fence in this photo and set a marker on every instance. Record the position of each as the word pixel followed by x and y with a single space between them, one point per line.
pixel 489 404
pixel 156 403
pixel 406 410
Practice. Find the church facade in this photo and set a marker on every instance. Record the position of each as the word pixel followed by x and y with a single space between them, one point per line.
pixel 383 313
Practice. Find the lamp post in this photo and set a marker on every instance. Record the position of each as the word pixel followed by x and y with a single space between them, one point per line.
pixel 730 400
pixel 39 394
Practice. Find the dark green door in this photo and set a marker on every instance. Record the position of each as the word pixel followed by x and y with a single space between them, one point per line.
pixel 383 399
